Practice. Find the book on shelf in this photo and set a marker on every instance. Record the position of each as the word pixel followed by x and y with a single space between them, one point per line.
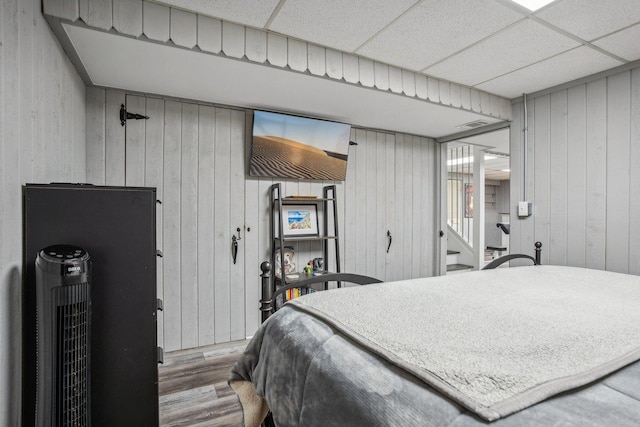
pixel 297 292
pixel 293 293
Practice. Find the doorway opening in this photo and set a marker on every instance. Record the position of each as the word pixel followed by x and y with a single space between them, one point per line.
pixel 477 198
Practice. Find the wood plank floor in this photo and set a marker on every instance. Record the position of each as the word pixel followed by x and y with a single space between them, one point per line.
pixel 193 387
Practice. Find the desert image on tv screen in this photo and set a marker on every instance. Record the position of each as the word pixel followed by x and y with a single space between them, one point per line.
pixel 287 146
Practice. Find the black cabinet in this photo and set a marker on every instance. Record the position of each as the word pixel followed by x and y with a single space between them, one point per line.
pixel 117 226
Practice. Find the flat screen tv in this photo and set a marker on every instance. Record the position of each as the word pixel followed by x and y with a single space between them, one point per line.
pixel 287 146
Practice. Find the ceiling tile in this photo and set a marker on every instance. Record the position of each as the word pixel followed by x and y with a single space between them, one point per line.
pixel 339 24
pixel 253 13
pixel 568 66
pixel 590 19
pixel 521 44
pixel 436 29
pixel 625 44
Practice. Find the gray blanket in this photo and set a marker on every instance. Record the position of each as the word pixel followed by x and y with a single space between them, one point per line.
pixel 575 328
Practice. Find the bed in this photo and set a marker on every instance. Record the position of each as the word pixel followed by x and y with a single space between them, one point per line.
pixel 533 345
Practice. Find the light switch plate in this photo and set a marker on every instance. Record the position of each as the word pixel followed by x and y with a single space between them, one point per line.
pixel 524 209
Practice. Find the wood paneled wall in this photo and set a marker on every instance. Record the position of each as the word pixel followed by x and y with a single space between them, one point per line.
pixel 582 175
pixel 391 186
pixel 196 155
pixel 42 139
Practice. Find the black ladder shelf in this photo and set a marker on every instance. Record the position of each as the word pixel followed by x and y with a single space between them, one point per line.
pixel 327 234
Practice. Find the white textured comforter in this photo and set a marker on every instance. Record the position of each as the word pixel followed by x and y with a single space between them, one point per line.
pixel 495 341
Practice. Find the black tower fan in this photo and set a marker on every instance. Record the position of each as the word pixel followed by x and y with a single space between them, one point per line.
pixel 63 306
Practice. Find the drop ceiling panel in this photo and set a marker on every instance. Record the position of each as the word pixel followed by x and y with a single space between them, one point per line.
pixel 254 13
pixel 618 43
pixel 590 19
pixel 470 42
pixel 521 44
pixel 436 29
pixel 339 24
pixel 562 68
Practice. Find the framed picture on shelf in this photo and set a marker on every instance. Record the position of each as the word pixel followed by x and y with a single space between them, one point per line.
pixel 468 200
pixel 300 220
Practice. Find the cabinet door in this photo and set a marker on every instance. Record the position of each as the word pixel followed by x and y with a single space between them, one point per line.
pixel 390 196
pixel 417 206
pixel 195 156
pixel 370 206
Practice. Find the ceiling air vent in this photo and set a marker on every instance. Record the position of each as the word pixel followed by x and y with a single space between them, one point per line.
pixel 472 125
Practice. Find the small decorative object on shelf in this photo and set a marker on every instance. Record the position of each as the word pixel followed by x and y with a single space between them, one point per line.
pixel 289 262
pixel 308 269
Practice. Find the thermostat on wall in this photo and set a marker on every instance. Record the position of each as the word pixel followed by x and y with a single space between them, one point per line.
pixel 524 209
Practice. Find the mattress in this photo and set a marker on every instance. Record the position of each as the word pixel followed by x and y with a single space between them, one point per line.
pixel 315 371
